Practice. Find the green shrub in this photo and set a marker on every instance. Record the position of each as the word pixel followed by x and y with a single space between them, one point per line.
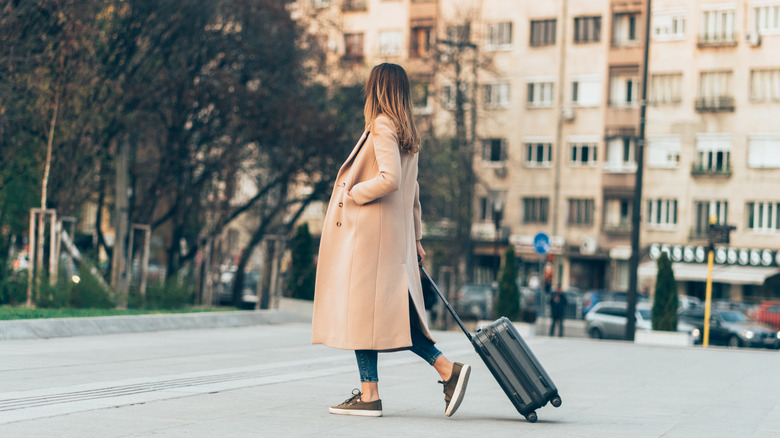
pixel 55 296
pixel 664 313
pixel 508 294
pixel 13 291
pixel 88 293
pixel 302 272
pixel 174 293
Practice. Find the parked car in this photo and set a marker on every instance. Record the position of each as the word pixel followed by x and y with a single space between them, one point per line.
pixel 769 314
pixel 530 300
pixel 731 328
pixel 687 302
pixel 224 288
pixel 475 301
pixel 591 298
pixel 607 320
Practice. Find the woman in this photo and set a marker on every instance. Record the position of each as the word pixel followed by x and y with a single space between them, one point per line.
pixel 368 296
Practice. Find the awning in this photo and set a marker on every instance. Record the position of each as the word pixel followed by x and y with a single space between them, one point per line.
pixel 720 273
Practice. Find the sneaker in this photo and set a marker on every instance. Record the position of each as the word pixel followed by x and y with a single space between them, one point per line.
pixel 455 387
pixel 355 406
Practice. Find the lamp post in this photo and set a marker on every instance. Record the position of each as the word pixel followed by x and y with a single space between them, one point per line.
pixel 498 209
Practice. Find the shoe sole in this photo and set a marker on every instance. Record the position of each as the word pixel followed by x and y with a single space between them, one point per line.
pixel 460 390
pixel 355 412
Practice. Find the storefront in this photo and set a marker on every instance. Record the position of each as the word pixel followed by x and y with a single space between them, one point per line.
pixel 738 274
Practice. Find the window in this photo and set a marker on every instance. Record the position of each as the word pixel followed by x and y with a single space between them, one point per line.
pixel 766 18
pixel 448 95
pixel 484 211
pixel 663 151
pixel 580 211
pixel 542 32
pixel 538 154
pixel 624 87
pixel 496 95
pixel 420 41
pixel 390 43
pixel 586 91
pixel 717 26
pixel 583 153
pixel 499 36
pixel 713 153
pixel 535 210
pixel 587 29
pixel 662 213
pixel 494 150
pixel 624 30
pixel 458 33
pixel 715 91
pixel 665 88
pixel 355 5
pixel 353 46
pixel 620 155
pixel 764 150
pixel 763 216
pixel 669 25
pixel 705 209
pixel 540 94
pixel 621 274
pixel 765 85
pixel 421 102
pixel 617 214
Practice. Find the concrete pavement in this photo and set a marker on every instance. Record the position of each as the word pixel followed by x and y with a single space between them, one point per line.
pixel 268 381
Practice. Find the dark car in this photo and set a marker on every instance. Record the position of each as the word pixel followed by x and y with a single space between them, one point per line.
pixel 573 304
pixel 475 301
pixel 731 328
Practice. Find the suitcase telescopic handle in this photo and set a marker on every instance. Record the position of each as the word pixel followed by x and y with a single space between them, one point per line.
pixel 446 303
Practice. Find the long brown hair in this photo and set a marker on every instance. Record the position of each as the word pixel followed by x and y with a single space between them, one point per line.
pixel 388 93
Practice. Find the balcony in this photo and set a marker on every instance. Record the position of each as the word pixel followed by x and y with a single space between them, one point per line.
pixel 617 229
pixel 717 40
pixel 702 170
pixel 715 104
pixel 354 6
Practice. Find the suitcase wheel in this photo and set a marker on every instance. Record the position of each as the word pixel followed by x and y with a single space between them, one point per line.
pixel 531 417
pixel 556 401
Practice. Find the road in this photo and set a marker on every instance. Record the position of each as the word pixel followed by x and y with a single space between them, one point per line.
pixel 268 381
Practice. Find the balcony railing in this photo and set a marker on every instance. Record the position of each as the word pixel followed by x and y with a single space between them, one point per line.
pixel 354 5
pixel 703 170
pixel 715 104
pixel 617 229
pixel 717 40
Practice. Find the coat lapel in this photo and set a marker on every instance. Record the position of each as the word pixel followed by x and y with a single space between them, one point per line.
pixel 354 152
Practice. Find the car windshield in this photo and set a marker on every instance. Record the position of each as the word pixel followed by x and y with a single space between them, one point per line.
pixel 644 313
pixel 732 316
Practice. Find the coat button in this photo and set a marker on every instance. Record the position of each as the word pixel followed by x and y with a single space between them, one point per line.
pixel 341 204
pixel 338 224
pixel 343 184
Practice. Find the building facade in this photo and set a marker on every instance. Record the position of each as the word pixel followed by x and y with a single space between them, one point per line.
pixel 556 90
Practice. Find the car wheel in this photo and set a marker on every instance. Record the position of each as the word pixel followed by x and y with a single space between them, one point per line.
pixel 734 341
pixel 595 333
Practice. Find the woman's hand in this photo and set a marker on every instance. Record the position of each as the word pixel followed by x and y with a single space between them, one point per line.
pixel 420 253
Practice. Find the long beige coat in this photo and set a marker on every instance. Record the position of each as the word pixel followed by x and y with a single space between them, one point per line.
pixel 367 264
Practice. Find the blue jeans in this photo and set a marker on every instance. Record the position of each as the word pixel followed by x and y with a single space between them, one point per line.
pixel 421 346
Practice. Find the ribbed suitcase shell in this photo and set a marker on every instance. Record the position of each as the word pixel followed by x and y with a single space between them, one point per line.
pixel 515 367
pixel 509 359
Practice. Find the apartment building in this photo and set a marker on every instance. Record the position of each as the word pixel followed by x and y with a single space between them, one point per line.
pixel 557 87
pixel 714 144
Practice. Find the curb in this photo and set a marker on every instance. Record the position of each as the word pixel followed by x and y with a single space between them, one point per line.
pixel 108 325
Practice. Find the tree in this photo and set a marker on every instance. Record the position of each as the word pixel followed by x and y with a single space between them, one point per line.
pixel 665 302
pixel 302 270
pixel 508 303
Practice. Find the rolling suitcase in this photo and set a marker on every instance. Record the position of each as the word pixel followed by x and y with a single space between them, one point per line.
pixel 511 362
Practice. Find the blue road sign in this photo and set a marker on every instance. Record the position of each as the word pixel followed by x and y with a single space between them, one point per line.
pixel 542 243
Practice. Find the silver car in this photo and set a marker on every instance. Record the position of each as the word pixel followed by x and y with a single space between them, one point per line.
pixel 607 320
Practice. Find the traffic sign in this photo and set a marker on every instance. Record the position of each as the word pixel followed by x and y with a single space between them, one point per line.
pixel 542 243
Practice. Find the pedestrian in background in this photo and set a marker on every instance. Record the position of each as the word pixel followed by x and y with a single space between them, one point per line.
pixel 368 295
pixel 557 311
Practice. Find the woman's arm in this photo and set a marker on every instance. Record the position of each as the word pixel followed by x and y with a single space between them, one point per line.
pixel 388 158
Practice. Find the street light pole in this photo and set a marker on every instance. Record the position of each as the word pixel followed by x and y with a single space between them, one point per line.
pixel 637 201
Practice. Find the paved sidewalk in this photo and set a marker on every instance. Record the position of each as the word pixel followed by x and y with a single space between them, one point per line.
pixel 268 381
